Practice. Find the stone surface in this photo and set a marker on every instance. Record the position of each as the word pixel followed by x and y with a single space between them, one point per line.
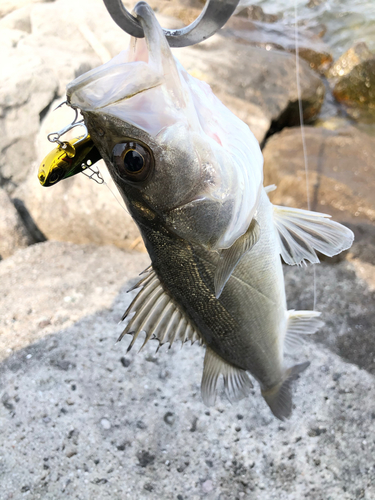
pixel 13 233
pixel 76 420
pixel 341 171
pixel 277 36
pixel 263 93
pixel 353 81
pixel 76 209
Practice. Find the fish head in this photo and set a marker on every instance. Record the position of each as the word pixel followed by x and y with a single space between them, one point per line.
pixel 169 144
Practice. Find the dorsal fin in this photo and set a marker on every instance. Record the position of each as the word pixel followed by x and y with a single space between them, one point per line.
pixel 302 232
pixel 237 384
pixel 300 323
pixel 230 257
pixel 157 314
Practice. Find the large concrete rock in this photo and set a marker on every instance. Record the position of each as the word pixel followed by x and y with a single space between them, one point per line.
pixel 13 233
pixel 80 417
pixel 341 171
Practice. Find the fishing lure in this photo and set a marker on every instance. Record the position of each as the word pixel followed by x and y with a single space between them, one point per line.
pixel 67 159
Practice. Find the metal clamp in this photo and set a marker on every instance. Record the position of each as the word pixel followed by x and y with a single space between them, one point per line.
pixel 213 17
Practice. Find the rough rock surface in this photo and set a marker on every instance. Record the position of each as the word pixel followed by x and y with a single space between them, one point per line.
pixel 353 80
pixel 80 418
pixel 267 80
pixel 341 171
pixel 13 233
pixel 277 36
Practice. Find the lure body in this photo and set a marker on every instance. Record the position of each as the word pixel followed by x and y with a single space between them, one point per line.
pixel 68 159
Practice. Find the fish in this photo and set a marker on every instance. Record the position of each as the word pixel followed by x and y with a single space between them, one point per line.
pixel 191 175
pixel 67 159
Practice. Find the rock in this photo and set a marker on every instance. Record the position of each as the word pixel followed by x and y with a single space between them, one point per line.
pixel 13 233
pixel 328 440
pixel 76 209
pixel 45 46
pixel 278 36
pixel 89 276
pixel 348 61
pixel 8 6
pixel 264 92
pixel 255 13
pixel 341 171
pixel 353 81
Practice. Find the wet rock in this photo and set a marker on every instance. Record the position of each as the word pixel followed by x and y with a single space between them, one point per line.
pixel 13 232
pixel 353 81
pixel 263 93
pixel 277 36
pixel 341 171
pixel 256 13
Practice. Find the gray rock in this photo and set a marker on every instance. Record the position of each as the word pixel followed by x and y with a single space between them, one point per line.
pixel 13 233
pixel 54 450
pixel 266 81
pixel 341 171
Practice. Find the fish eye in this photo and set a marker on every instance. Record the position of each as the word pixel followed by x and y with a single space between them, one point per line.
pixel 133 161
pixel 54 176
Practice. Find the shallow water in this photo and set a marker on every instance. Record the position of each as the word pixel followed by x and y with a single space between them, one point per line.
pixel 346 21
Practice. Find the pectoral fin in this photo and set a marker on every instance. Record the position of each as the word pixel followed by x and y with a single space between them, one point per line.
pixel 237 384
pixel 301 233
pixel 230 257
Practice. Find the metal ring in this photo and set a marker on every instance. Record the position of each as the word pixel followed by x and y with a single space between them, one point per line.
pixel 213 17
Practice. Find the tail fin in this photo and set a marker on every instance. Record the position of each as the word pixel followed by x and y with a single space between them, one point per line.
pixel 279 397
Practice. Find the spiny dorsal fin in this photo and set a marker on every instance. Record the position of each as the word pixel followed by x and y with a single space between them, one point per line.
pixel 157 314
pixel 302 232
pixel 279 398
pixel 237 384
pixel 230 257
pixel 300 323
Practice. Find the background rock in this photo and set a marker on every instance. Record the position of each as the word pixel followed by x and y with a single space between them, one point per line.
pixel 341 171
pixel 353 81
pixel 267 80
pixel 81 417
pixel 13 233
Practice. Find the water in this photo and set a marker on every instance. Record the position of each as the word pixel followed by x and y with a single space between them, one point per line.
pixel 346 21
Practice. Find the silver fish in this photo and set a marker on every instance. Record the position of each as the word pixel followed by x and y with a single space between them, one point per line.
pixel 190 173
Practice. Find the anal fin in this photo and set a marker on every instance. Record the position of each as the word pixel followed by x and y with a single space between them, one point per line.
pixel 300 323
pixel 237 383
pixel 301 233
pixel 279 397
pixel 230 257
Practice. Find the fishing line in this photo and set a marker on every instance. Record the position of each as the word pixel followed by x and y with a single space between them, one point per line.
pixel 115 197
pixel 300 111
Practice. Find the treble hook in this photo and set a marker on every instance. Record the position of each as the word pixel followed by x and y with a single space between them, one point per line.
pixel 213 17
pixel 55 136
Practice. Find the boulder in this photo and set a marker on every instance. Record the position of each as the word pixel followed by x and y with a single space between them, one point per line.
pixel 341 171
pixel 77 410
pixel 258 85
pixel 76 209
pixel 13 233
pixel 353 80
pixel 278 36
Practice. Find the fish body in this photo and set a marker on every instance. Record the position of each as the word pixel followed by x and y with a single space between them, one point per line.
pixel 67 159
pixel 190 174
